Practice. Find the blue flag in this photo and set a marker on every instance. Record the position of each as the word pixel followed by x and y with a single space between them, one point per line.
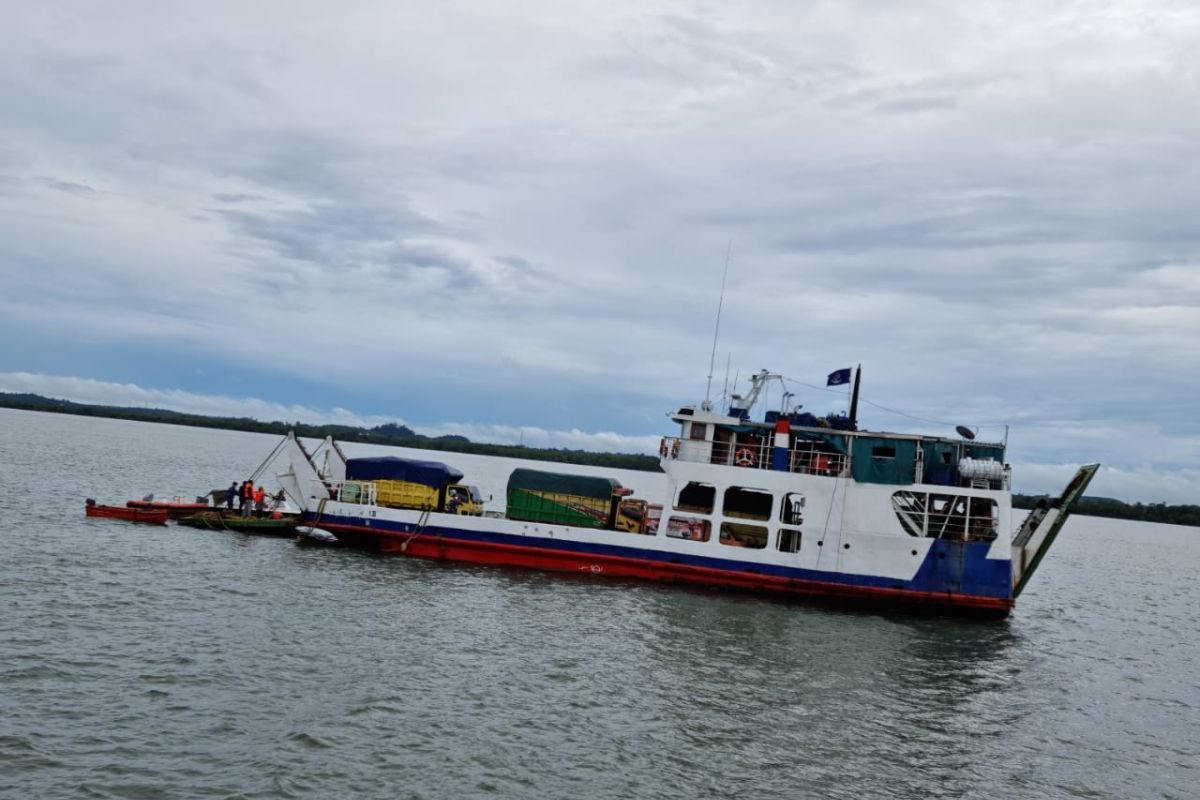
pixel 839 378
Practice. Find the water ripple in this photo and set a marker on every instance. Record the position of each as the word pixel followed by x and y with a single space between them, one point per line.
pixel 181 664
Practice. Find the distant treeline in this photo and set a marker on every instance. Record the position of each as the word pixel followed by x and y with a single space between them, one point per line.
pixel 389 434
pixel 403 436
pixel 1108 507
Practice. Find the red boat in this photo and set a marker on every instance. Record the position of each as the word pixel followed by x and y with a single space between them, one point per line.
pixel 175 508
pixel 154 516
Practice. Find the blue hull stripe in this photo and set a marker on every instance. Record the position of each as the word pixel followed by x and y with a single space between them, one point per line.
pixel 949 567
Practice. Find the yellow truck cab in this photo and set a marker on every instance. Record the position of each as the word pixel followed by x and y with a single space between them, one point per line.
pixel 464 500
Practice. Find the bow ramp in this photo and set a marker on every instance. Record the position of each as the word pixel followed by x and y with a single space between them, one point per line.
pixel 1042 525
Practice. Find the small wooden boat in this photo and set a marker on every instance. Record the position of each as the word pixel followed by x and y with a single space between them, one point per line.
pixel 221 520
pixel 154 516
pixel 175 508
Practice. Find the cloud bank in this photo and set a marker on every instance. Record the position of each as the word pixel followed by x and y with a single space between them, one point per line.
pixel 463 213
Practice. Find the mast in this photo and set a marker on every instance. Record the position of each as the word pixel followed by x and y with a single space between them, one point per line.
pixel 854 399
pixel 716 330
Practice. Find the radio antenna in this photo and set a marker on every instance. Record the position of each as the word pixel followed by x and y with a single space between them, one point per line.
pixel 717 330
pixel 728 358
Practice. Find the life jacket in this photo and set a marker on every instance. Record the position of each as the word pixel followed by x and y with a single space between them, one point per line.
pixel 259 494
pixel 248 490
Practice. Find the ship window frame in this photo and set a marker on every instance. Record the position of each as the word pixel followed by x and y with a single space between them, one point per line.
pixel 705 527
pixel 698 426
pixel 794 536
pixel 787 509
pixel 695 509
pixel 734 534
pixel 941 515
pixel 884 452
pixel 741 514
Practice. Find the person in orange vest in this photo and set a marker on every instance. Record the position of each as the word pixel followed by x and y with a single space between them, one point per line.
pixel 247 498
pixel 260 498
pixel 820 464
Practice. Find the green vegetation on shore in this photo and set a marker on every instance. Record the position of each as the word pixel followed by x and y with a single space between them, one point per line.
pixel 1108 507
pixel 402 436
pixel 388 434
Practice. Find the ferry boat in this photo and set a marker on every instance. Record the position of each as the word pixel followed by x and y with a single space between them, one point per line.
pixel 790 504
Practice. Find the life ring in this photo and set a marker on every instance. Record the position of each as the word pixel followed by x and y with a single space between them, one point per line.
pixel 662 448
pixel 744 457
pixel 675 449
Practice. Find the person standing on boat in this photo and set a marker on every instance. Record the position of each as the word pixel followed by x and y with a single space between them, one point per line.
pixel 247 498
pixel 230 494
pixel 277 504
pixel 260 500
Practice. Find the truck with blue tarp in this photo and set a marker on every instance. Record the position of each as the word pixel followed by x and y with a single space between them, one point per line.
pixel 412 483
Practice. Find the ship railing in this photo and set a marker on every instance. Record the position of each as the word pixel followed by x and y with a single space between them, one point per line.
pixel 804 458
pixel 807 457
pixel 360 492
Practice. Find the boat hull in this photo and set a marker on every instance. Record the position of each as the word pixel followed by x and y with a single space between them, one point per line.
pixel 549 554
pixel 148 516
pixel 261 526
pixel 174 510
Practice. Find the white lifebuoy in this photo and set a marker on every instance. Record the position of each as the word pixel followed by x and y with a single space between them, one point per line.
pixel 744 457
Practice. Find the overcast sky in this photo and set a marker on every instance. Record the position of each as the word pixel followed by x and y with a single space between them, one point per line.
pixel 510 220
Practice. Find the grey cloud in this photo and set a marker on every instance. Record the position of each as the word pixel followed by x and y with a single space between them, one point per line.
pixel 237 197
pixel 528 270
pixel 329 232
pixel 915 105
pixel 70 187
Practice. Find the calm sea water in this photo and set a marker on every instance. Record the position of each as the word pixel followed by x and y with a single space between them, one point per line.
pixel 140 662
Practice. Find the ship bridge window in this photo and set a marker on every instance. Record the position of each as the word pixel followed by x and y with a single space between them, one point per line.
pixel 747 503
pixel 736 534
pixel 791 511
pixel 789 540
pixel 698 430
pixel 696 497
pixel 947 516
pixel 698 530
